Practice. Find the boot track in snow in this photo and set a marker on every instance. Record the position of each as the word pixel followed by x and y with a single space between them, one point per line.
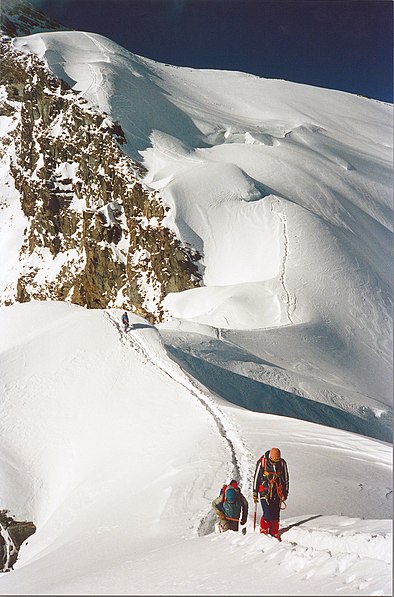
pixel 240 457
pixel 303 536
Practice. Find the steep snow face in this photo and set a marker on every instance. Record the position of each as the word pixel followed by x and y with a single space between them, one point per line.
pixel 239 155
pixel 116 454
pixel 284 189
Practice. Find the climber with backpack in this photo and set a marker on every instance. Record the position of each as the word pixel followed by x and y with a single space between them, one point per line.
pixel 271 486
pixel 231 506
pixel 125 320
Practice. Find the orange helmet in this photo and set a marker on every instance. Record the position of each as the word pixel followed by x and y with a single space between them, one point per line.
pixel 275 455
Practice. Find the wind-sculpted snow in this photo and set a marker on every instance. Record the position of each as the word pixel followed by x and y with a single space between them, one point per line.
pixel 262 397
pixel 114 80
pixel 253 370
pixel 284 189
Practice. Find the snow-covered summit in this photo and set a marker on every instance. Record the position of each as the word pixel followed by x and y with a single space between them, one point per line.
pixel 113 442
pixel 286 192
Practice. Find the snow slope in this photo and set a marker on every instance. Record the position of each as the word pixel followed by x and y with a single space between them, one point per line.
pixel 115 454
pixel 286 191
pixel 114 444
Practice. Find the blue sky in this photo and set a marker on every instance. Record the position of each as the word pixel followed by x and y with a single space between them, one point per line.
pixel 339 44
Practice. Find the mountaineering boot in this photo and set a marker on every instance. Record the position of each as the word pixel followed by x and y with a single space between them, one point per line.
pixel 264 526
pixel 274 529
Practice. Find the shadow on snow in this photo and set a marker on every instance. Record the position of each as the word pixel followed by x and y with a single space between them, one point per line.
pixel 261 397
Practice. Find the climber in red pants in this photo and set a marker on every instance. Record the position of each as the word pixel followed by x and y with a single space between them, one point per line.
pixel 271 486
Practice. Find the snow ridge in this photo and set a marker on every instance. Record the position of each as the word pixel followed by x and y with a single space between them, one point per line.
pixel 240 456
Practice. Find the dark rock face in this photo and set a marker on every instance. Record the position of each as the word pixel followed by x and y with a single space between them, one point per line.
pixel 93 234
pixel 19 17
pixel 13 534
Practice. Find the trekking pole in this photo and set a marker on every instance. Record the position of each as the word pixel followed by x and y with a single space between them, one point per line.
pixel 254 516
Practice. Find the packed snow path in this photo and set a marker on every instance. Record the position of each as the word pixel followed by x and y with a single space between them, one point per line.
pixel 240 458
pixel 311 546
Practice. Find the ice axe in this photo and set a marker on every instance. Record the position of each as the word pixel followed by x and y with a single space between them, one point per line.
pixel 254 516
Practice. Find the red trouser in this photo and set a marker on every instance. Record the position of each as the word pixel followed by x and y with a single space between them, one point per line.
pixel 269 527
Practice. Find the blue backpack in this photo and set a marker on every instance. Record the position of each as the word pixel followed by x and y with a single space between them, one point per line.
pixel 231 502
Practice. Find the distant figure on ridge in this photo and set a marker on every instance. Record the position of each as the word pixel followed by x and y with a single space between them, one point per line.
pixel 125 321
pixel 231 506
pixel 271 485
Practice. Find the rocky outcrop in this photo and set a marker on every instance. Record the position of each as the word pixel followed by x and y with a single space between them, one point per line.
pixel 19 17
pixel 13 534
pixel 94 234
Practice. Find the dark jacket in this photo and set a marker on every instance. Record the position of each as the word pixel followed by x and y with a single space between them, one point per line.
pixel 271 479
